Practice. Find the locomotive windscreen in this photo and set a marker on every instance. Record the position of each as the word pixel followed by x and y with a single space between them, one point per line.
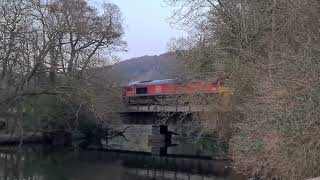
pixel 141 90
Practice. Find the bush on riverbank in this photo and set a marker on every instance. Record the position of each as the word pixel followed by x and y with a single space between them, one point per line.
pixel 45 113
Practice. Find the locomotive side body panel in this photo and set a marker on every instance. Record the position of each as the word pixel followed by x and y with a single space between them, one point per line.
pixel 151 91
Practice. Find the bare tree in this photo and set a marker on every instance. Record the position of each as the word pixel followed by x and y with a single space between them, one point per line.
pixel 269 52
pixel 53 48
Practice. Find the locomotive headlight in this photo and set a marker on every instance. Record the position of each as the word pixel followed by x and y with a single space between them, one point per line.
pixel 225 91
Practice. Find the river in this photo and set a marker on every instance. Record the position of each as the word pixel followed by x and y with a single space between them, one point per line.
pixel 129 158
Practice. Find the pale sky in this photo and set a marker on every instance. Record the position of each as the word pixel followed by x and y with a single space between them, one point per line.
pixel 147 30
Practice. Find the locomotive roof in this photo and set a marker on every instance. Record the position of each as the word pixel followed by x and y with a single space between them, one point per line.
pixel 151 82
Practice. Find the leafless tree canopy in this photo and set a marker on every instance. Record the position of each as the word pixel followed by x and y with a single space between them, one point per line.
pixel 51 47
pixel 270 51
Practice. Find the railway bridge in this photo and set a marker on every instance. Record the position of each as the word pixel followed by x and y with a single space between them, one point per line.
pixel 167 108
pixel 151 114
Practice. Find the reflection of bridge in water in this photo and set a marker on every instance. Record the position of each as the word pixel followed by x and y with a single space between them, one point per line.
pixel 168 175
pixel 172 166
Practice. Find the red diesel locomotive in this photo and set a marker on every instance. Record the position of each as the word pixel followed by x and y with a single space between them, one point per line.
pixel 150 92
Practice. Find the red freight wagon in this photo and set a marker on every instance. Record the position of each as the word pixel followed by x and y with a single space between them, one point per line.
pixel 148 92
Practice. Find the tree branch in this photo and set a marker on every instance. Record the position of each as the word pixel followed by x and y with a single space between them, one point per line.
pixel 210 2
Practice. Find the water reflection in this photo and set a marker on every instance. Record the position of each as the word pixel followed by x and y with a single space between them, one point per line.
pixel 137 139
pixel 41 164
pixel 130 158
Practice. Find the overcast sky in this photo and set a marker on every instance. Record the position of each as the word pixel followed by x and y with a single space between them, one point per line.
pixel 146 28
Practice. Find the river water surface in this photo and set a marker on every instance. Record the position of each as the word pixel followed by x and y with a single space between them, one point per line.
pixel 130 158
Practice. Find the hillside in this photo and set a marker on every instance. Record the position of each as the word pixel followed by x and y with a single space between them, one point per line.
pixel 146 68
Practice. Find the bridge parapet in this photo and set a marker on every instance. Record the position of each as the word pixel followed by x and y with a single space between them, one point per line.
pixel 167 108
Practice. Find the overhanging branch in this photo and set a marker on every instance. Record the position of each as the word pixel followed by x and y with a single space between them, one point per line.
pixel 210 2
pixel 214 5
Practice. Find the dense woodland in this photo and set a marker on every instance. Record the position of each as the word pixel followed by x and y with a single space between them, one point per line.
pixel 269 52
